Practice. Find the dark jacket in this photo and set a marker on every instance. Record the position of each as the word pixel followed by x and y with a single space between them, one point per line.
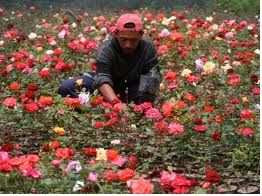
pixel 121 71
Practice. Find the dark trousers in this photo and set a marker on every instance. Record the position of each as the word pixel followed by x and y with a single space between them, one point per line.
pixel 72 89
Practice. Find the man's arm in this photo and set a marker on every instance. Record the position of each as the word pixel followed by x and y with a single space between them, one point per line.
pixel 107 92
pixel 103 80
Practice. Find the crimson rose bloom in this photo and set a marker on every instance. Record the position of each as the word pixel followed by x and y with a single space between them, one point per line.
pixel 212 176
pixel 246 113
pixel 201 128
pixel 90 152
pixel 99 124
pixel 31 107
pixel 216 135
pixel 44 73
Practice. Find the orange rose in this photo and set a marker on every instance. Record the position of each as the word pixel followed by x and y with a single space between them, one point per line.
pixel 112 154
pixel 126 174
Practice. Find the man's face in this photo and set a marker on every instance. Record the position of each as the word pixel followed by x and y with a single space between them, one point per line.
pixel 128 41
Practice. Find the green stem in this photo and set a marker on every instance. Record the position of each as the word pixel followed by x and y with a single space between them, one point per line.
pixel 100 187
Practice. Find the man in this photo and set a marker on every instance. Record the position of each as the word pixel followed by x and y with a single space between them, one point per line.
pixel 123 66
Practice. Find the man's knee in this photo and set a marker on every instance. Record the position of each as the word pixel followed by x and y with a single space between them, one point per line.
pixel 66 88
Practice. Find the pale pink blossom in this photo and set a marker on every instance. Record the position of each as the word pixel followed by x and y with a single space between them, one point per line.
pixel 92 176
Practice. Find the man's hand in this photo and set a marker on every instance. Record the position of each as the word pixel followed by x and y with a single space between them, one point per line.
pixel 107 92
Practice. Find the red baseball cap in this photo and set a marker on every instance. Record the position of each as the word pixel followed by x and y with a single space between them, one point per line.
pixel 125 19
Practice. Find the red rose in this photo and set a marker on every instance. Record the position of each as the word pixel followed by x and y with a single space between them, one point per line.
pixel 170 76
pixel 91 152
pixel 198 121
pixel 56 163
pixel 126 174
pixel 46 147
pixel 33 158
pixel 209 108
pixel 45 101
pixel 55 144
pixel 73 102
pixel 201 128
pixel 99 124
pixel 64 153
pixel 132 160
pixel 30 94
pixel 112 121
pixel 44 73
pixel 7 147
pixel 32 87
pixel 233 80
pixel 10 102
pixel 20 65
pixel 58 52
pixel 216 135
pixel 256 90
pixel 218 118
pixel 110 176
pixel 14 86
pixel 31 107
pixel 235 101
pixel 167 109
pixel 189 97
pixel 212 176
pixel 161 126
pixel 6 167
pixel 246 113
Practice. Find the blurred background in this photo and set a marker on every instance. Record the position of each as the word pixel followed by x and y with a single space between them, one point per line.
pixel 235 6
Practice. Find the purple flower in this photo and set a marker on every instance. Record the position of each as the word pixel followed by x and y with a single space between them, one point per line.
pixel 84 98
pixel 74 166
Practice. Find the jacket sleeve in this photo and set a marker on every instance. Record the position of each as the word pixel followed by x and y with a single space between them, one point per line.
pixel 103 64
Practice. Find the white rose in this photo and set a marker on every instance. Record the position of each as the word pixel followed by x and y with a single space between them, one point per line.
pixel 49 52
pixel 32 36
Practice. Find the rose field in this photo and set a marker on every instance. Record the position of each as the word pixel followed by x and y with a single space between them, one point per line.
pixel 202 135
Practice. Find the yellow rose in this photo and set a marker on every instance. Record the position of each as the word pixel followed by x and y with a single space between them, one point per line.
pixel 161 86
pixel 39 49
pixel 101 154
pixel 218 38
pixel 209 19
pixel 79 82
pixel 245 99
pixel 214 27
pixel 186 72
pixel 209 67
pixel 166 22
pixel 59 130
